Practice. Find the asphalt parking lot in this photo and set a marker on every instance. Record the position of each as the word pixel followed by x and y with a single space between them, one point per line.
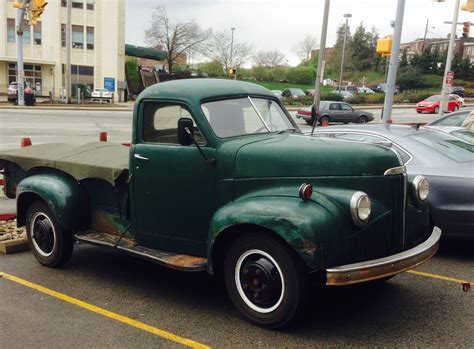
pixel 107 299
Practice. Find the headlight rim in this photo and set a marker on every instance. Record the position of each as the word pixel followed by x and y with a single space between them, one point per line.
pixel 416 185
pixel 354 206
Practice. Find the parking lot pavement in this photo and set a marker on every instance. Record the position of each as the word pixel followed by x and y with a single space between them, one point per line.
pixel 409 310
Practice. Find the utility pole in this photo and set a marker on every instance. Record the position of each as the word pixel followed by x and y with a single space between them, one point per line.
pixel 449 58
pixel 232 52
pixel 319 74
pixel 346 16
pixel 424 36
pixel 68 52
pixel 20 15
pixel 393 66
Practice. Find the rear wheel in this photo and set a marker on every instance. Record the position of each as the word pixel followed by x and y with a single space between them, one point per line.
pixel 51 245
pixel 436 110
pixel 324 120
pixel 456 108
pixel 265 282
pixel 362 119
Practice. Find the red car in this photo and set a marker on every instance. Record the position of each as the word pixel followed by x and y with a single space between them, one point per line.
pixel 431 104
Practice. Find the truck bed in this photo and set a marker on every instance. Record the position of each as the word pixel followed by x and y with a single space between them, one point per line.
pixel 106 161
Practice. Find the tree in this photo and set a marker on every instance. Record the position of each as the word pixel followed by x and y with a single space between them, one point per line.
pixel 219 49
pixel 361 49
pixel 334 61
pixel 213 69
pixel 269 59
pixel 175 38
pixel 304 47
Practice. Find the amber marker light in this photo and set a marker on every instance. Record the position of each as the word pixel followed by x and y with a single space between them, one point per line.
pixel 306 190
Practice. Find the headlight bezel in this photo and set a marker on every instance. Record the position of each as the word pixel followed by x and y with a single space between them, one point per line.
pixel 421 183
pixel 360 200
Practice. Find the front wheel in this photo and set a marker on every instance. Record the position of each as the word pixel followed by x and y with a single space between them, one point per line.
pixel 324 120
pixel 456 108
pixel 265 282
pixel 51 245
pixel 436 111
pixel 362 119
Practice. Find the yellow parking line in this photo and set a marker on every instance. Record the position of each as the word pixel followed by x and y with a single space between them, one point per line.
pixel 440 277
pixel 106 313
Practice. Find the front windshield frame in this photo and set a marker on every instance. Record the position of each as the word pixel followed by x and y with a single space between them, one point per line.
pixel 252 100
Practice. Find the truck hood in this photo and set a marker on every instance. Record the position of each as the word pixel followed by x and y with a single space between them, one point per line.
pixel 292 155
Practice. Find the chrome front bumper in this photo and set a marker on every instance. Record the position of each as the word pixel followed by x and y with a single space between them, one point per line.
pixel 379 268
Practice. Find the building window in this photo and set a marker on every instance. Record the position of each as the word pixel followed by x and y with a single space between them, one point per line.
pixel 63 35
pixel 90 4
pixel 78 36
pixel 77 4
pixel 90 38
pixel 37 33
pixel 33 75
pixel 26 33
pixel 11 30
pixel 63 3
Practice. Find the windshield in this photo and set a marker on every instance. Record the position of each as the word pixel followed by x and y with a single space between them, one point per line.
pixel 433 99
pixel 242 116
pixel 465 135
pixel 452 120
pixel 450 146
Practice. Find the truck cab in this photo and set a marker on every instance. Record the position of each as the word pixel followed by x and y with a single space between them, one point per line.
pixel 219 178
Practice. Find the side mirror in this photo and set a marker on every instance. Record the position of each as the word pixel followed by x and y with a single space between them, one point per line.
pixel 185 131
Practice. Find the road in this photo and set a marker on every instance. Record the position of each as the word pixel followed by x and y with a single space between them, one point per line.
pixel 410 310
pixel 79 126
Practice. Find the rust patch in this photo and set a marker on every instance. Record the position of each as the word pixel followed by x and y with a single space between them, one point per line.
pixel 184 261
pixel 104 223
pixel 309 247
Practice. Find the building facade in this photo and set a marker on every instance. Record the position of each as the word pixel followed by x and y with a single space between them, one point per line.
pixel 416 47
pixel 97 52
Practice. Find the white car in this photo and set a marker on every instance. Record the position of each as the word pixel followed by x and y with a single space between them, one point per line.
pixel 364 90
pixel 459 98
pixel 100 95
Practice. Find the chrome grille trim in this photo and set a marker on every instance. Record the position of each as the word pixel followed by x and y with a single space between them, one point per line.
pixel 395 170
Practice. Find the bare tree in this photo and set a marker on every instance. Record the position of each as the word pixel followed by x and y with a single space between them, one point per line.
pixel 175 38
pixel 269 59
pixel 218 48
pixel 304 47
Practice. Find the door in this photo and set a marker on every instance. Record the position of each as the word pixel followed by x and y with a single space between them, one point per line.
pixel 173 185
pixel 335 111
pixel 347 113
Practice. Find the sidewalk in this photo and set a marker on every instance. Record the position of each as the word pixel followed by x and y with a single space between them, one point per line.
pixel 376 106
pixel 122 106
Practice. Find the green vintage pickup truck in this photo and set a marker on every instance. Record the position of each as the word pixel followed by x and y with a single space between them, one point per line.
pixel 219 178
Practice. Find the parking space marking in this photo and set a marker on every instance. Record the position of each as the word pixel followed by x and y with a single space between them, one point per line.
pixel 117 317
pixel 440 277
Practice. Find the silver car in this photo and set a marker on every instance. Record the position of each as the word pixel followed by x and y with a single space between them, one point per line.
pixel 331 111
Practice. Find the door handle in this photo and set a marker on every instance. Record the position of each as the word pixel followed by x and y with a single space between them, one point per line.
pixel 138 156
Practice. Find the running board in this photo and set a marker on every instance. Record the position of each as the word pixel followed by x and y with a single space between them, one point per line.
pixel 168 259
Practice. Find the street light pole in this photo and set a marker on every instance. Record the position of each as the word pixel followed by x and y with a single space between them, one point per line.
pixel 20 15
pixel 232 50
pixel 393 65
pixel 319 74
pixel 449 58
pixel 346 16
pixel 68 51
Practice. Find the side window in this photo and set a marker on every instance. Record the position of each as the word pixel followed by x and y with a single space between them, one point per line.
pixel 345 107
pixel 160 123
pixel 334 106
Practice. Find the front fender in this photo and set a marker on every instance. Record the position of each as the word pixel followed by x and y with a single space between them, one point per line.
pixel 305 226
pixel 59 192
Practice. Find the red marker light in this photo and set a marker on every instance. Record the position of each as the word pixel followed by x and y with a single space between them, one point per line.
pixel 306 190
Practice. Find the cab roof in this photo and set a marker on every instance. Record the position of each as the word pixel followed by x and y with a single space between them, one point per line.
pixel 203 89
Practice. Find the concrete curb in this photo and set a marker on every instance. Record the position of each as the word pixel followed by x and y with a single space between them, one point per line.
pixel 375 106
pixel 67 108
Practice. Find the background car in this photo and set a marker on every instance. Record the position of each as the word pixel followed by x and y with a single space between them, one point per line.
pixel 432 103
pixel 293 93
pixel 446 161
pixel 458 90
pixel 310 93
pixel 459 98
pixel 277 93
pixel 349 88
pixel 335 112
pixel 365 90
pixel 12 92
pixel 100 95
pixel 459 132
pixel 452 119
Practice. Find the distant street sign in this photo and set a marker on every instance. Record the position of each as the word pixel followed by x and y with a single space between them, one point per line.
pixel 109 84
pixel 449 80
pixel 450 74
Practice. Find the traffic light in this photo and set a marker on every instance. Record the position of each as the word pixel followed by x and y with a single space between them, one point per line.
pixel 232 72
pixel 36 9
pixel 17 4
pixel 465 29
pixel 468 6
pixel 384 46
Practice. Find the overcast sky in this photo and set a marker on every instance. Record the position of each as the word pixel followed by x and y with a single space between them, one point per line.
pixel 279 24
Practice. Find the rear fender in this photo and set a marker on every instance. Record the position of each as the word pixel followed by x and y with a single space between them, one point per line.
pixel 58 191
pixel 305 226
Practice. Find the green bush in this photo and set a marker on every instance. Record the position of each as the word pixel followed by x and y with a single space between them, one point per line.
pixel 307 100
pixel 261 73
pixel 301 75
pixel 469 92
pixel 432 80
pixel 411 97
pixel 410 79
pixel 360 98
pixel 331 97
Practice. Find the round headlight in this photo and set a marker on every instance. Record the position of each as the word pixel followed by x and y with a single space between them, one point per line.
pixel 422 188
pixel 360 207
